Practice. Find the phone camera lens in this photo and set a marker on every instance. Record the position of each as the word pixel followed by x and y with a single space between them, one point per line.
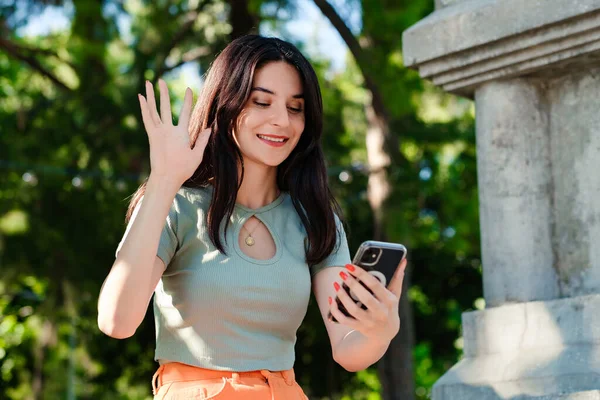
pixel 369 256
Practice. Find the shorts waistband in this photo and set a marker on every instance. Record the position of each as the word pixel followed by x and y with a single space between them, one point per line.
pixel 178 372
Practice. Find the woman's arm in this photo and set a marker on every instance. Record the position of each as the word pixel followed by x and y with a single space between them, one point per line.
pixel 128 288
pixel 338 334
pixel 356 352
pixel 359 342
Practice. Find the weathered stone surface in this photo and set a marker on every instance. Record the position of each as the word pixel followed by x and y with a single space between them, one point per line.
pixel 588 395
pixel 535 350
pixel 521 375
pixel 446 3
pixel 575 135
pixel 533 68
pixel 515 187
pixel 468 24
pixel 467 43
pixel 532 325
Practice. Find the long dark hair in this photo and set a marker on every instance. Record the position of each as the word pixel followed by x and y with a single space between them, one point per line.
pixel 303 174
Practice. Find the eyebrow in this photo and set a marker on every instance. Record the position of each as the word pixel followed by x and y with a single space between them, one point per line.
pixel 262 89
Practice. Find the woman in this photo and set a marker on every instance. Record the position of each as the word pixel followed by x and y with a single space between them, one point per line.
pixel 242 186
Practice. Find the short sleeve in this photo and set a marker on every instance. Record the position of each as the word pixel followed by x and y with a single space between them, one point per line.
pixel 168 238
pixel 340 255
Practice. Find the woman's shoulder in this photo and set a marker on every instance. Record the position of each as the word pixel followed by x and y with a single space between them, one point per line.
pixel 198 197
pixel 287 210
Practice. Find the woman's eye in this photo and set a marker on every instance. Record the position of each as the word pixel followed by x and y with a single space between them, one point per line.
pixel 295 110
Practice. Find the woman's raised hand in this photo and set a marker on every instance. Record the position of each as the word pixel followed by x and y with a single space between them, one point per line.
pixel 171 153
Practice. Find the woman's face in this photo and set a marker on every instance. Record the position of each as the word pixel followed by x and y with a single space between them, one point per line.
pixel 272 120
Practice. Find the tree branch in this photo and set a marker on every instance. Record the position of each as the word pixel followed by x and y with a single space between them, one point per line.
pixel 339 24
pixel 188 56
pixel 358 52
pixel 188 23
pixel 16 51
pixel 46 52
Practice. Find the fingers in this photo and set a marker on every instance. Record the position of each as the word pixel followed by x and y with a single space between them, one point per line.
pixel 395 285
pixel 201 142
pixel 165 103
pixel 353 309
pixel 379 290
pixel 151 112
pixel 186 109
pixel 146 117
pixel 340 317
pixel 151 101
pixel 361 293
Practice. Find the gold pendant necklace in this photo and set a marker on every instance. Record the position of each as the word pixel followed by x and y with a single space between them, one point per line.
pixel 249 239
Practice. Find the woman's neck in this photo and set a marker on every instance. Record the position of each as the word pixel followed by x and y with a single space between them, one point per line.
pixel 259 186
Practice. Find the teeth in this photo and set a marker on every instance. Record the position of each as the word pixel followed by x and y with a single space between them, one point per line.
pixel 271 139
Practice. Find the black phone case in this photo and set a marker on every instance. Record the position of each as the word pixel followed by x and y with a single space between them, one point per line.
pixel 391 256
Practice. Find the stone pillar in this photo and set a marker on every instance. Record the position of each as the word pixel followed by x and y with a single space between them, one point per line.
pixel 515 193
pixel 533 69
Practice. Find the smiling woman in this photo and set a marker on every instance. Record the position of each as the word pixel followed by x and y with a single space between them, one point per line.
pixel 273 113
pixel 230 227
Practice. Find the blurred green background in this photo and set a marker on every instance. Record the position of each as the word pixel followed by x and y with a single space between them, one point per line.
pixel 72 151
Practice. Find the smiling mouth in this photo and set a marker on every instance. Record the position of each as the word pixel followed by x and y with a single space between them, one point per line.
pixel 273 139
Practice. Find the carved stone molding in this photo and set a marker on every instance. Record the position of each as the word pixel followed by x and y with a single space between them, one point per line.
pixel 467 43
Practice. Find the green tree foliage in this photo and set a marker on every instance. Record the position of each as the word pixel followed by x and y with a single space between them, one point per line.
pixel 72 150
pixel 433 206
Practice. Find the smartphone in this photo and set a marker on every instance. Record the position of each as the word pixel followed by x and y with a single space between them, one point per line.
pixel 381 259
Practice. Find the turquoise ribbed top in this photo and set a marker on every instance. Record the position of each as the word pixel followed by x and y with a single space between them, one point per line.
pixel 232 312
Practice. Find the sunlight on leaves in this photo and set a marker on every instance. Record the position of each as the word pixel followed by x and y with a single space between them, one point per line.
pixel 14 222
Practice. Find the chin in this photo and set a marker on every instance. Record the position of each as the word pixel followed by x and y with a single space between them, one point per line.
pixel 273 163
pixel 269 160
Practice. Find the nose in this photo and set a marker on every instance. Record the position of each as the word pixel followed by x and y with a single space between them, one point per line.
pixel 280 116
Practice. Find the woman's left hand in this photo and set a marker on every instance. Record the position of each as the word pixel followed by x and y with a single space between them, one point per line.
pixel 380 321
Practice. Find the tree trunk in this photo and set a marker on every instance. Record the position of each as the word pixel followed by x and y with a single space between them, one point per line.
pixel 395 369
pixel 241 19
pixel 46 338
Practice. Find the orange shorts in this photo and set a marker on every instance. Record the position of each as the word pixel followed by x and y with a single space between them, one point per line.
pixel 180 381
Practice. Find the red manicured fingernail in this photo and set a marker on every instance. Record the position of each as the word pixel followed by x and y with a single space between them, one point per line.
pixel 343 275
pixel 330 300
pixel 336 286
pixel 350 267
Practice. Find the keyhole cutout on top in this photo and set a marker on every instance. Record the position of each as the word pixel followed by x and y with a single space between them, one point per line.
pixel 264 245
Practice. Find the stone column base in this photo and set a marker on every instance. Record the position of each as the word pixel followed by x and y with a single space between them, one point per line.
pixel 545 350
pixel 588 395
